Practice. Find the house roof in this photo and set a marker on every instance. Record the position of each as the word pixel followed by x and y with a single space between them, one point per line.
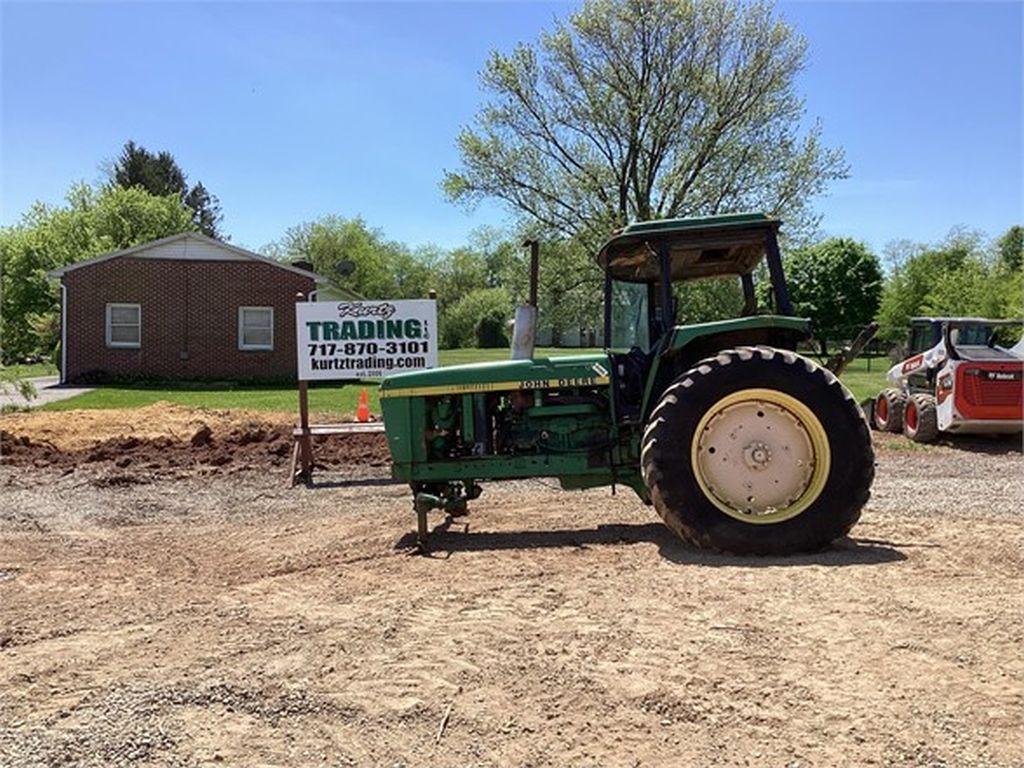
pixel 230 253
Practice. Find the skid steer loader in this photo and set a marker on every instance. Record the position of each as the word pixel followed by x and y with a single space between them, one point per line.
pixel 956 379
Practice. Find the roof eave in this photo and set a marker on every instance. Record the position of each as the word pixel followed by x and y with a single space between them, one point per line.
pixel 61 271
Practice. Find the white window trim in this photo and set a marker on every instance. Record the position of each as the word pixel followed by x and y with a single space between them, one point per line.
pixel 107 327
pixel 242 346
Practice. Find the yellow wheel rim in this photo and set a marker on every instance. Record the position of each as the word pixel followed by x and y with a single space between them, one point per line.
pixel 760 456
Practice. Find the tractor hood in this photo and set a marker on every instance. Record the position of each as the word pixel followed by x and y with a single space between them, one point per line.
pixel 539 373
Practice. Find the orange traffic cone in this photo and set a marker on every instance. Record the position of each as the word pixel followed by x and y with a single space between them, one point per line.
pixel 363 411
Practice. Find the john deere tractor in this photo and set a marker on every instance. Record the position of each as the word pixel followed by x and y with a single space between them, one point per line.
pixel 741 444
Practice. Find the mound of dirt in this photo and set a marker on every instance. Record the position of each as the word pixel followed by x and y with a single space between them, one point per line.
pixel 77 430
pixel 167 437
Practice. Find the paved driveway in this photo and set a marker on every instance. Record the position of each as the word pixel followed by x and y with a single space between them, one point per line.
pixel 48 390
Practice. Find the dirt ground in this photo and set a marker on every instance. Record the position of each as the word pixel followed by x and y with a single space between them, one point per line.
pixel 199 614
pixel 166 440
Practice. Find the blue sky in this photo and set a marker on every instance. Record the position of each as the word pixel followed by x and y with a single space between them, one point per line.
pixel 287 112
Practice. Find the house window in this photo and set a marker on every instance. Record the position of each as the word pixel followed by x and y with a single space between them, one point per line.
pixel 124 325
pixel 255 328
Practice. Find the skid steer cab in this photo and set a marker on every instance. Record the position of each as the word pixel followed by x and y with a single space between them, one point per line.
pixel 740 443
pixel 957 379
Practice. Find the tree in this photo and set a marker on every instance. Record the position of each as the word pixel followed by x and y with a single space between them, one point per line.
pixel 570 284
pixel 702 301
pixel 159 174
pixel 358 257
pixel 205 210
pixel 970 289
pixel 459 272
pixel 1010 248
pixel 960 276
pixel 837 283
pixel 646 109
pixel 94 221
pixel 985 282
pixel 502 252
pixel 1009 272
pixel 915 276
pixel 478 319
pixel 570 291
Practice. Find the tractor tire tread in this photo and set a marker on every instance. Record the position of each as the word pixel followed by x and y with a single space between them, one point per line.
pixel 897 403
pixel 927 430
pixel 658 430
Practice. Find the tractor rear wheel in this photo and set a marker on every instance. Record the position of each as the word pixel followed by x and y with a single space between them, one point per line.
pixel 888 411
pixel 921 419
pixel 758 450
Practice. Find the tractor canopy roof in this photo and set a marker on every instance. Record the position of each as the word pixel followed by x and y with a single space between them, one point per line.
pixel 707 246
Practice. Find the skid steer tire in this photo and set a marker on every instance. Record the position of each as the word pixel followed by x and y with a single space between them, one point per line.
pixel 729 403
pixel 887 415
pixel 921 419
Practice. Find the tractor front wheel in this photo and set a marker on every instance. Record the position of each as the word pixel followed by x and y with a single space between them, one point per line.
pixel 759 451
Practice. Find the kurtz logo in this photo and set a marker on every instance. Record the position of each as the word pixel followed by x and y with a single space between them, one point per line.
pixel 375 325
pixel 382 310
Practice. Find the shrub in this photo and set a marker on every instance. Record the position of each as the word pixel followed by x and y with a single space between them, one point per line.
pixel 478 319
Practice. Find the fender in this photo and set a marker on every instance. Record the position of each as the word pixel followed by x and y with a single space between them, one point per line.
pixel 684 345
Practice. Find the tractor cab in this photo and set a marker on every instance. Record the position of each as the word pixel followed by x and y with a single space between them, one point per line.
pixel 643 262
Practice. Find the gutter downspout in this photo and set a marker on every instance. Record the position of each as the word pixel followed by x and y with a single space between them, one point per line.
pixel 63 332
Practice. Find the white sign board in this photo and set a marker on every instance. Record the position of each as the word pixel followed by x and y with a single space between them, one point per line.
pixel 365 339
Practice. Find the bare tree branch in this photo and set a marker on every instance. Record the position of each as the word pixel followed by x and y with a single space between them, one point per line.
pixel 637 109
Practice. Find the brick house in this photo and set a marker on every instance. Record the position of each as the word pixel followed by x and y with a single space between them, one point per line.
pixel 184 307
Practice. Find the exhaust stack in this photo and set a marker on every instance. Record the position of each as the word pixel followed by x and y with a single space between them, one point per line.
pixel 524 330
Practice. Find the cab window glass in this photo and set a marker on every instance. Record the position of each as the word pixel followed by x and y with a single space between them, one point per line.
pixel 973 335
pixel 702 301
pixel 630 316
pixel 919 339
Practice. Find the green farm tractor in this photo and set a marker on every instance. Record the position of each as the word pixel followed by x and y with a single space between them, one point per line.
pixel 741 444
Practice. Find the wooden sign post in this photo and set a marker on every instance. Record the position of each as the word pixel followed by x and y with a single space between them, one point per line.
pixel 302 448
pixel 304 443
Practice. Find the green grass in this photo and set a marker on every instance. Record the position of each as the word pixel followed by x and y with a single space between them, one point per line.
pixel 340 400
pixel 862 382
pixel 901 443
pixel 27 370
